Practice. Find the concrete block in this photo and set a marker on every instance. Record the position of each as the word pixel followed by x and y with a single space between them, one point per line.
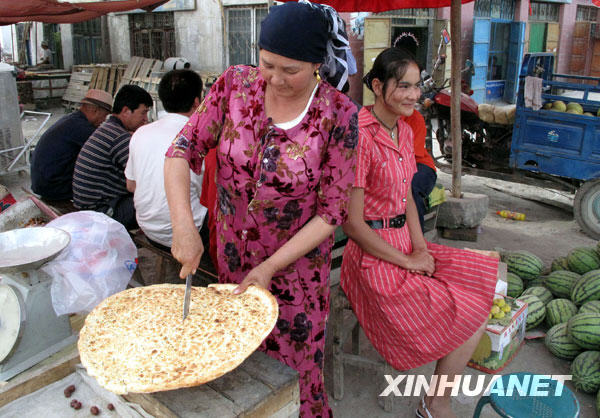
pixel 466 212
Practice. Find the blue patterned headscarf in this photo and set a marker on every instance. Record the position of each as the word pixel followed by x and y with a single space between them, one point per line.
pixel 311 33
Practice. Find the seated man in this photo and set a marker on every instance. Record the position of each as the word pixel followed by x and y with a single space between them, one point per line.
pixel 53 160
pixel 424 179
pixel 99 179
pixel 180 92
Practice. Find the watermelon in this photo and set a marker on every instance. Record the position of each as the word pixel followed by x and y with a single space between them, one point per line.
pixel 561 282
pixel 582 260
pixel 536 311
pixel 538 281
pixel 586 371
pixel 559 343
pixel 592 306
pixel 586 288
pixel 515 285
pixel 559 311
pixel 541 292
pixel 559 263
pixel 524 264
pixel 584 330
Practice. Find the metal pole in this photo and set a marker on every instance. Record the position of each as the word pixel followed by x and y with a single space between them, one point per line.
pixel 455 128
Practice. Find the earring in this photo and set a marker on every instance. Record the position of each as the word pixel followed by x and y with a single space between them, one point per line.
pixel 317 76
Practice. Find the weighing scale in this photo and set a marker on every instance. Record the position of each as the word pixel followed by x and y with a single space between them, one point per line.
pixel 30 330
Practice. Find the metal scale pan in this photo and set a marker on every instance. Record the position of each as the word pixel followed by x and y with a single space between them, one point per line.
pixel 30 330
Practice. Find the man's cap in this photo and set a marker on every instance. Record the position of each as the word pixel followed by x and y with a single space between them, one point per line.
pixel 44 43
pixel 99 98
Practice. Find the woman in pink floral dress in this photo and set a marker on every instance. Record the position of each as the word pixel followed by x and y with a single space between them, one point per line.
pixel 286 152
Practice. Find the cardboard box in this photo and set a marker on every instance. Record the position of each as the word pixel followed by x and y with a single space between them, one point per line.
pixel 502 341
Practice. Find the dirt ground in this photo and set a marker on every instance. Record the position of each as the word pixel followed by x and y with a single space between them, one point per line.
pixel 549 231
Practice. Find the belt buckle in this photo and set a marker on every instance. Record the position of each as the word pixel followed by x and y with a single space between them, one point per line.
pixel 397 222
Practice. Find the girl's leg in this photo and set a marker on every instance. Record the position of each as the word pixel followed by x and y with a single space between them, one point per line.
pixel 451 365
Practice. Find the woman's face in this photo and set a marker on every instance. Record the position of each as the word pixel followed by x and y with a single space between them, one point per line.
pixel 286 77
pixel 401 95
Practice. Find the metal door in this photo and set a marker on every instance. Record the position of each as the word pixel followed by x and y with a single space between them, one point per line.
pixel 377 38
pixel 537 37
pixel 481 47
pixel 515 56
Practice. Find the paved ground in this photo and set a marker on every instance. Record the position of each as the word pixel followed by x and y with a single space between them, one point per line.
pixel 549 231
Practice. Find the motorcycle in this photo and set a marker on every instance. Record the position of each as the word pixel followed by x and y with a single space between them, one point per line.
pixel 485 144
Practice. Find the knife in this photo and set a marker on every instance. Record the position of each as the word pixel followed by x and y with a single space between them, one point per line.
pixel 186 297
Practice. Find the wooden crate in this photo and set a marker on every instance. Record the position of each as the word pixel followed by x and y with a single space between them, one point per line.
pixel 105 77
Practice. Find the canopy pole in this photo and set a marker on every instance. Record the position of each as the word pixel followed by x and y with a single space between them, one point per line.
pixel 455 87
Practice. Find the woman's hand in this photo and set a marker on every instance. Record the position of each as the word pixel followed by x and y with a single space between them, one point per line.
pixel 187 248
pixel 421 262
pixel 260 276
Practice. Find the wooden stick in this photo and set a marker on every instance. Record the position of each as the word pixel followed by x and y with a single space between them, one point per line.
pixel 455 129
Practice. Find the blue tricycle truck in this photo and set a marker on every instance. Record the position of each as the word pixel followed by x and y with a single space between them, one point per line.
pixel 557 146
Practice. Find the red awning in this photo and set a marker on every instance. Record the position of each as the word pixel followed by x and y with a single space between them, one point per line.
pixel 51 11
pixel 384 5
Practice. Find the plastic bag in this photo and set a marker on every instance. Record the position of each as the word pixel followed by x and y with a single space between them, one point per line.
pixel 98 262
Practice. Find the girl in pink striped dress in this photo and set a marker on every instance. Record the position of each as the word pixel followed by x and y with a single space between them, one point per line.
pixel 416 301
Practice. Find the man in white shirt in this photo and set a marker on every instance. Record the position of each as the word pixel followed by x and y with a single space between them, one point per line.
pixel 180 92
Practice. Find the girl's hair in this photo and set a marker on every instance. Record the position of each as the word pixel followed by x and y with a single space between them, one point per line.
pixel 391 63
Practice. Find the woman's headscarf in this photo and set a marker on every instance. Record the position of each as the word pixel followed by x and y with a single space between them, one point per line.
pixel 311 33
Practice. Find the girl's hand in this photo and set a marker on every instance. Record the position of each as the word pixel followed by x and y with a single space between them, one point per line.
pixel 260 276
pixel 421 262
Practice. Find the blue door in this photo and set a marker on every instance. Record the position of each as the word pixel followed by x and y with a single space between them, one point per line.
pixel 481 47
pixel 515 55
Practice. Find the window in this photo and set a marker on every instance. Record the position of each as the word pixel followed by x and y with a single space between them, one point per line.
pixel 587 14
pixel 243 30
pixel 498 55
pixel 152 35
pixel 87 42
pixel 495 9
pixel 544 12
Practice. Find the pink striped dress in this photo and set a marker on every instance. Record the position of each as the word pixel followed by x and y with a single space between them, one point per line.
pixel 410 319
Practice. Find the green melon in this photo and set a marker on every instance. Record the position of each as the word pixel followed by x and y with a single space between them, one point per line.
pixel 536 311
pixel 559 343
pixel 561 282
pixel 559 263
pixel 524 264
pixel 559 311
pixel 593 306
pixel 538 281
pixel 586 288
pixel 584 330
pixel 582 260
pixel 542 293
pixel 515 285
pixel 586 371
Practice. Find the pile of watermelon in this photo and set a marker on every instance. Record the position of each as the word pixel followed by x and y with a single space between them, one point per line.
pixel 567 301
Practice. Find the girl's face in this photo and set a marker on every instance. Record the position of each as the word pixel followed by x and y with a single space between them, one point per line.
pixel 285 76
pixel 402 95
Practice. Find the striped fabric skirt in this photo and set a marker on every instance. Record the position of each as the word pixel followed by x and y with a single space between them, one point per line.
pixel 412 319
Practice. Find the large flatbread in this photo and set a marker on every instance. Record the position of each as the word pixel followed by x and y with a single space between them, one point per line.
pixel 135 341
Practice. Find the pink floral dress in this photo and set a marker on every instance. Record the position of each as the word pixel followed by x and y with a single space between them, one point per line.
pixel 270 183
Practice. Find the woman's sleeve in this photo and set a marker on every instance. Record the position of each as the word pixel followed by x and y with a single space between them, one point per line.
pixel 337 174
pixel 203 130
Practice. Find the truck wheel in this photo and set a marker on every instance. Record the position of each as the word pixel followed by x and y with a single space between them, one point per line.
pixel 587 208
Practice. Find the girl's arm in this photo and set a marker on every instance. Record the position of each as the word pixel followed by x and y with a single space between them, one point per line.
pixel 369 241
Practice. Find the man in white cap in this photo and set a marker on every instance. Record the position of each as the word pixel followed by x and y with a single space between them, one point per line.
pixel 46 56
pixel 53 160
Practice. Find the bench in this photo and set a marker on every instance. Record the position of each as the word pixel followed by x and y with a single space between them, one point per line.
pixel 204 276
